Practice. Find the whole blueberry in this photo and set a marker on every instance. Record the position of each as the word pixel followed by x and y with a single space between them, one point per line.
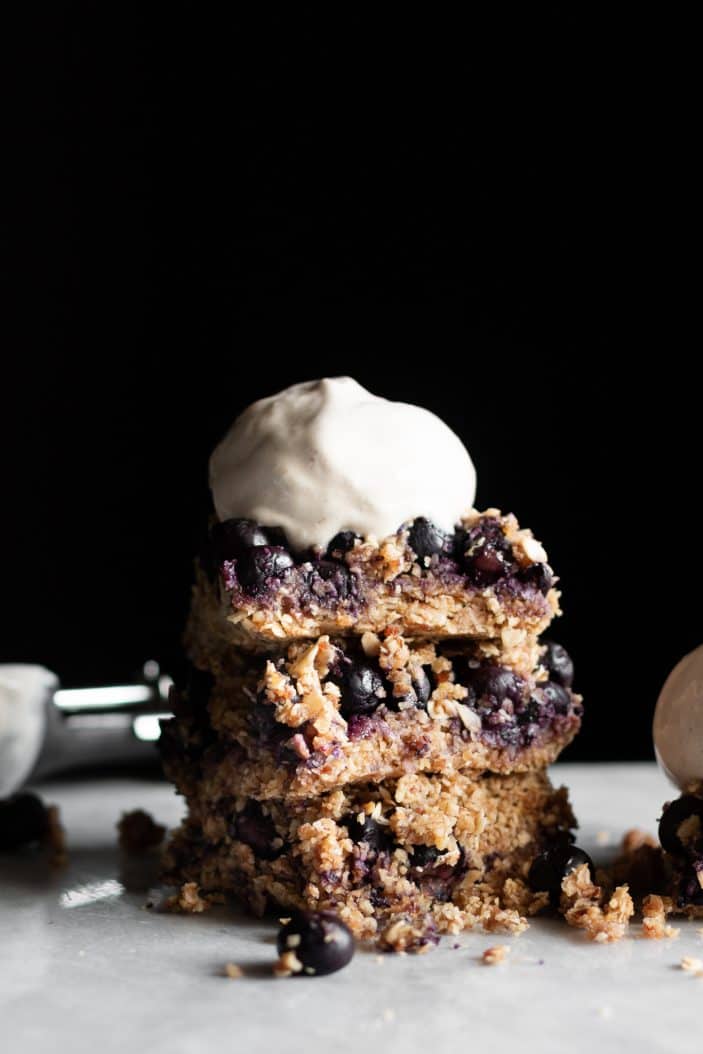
pixel 690 890
pixel 540 576
pixel 342 543
pixel 423 856
pixel 338 580
pixel 361 686
pixel 373 833
pixel 675 813
pixel 557 661
pixel 259 565
pixel 553 865
pixel 557 696
pixel 257 831
pixel 487 554
pixel 496 682
pixel 426 539
pixel 321 943
pixel 23 820
pixel 232 538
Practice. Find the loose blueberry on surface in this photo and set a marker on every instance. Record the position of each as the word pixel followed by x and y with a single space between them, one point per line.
pixel 320 942
pixel 23 820
pixel 558 662
pixel 675 813
pixel 374 834
pixel 361 686
pixel 342 543
pixel 553 865
pixel 426 539
pixel 258 565
pixel 258 832
pixel 557 696
pixel 423 856
pixel 540 576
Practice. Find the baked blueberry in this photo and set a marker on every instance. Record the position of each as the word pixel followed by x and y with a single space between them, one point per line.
pixel 540 576
pixel 320 942
pixel 23 820
pixel 342 543
pixel 257 566
pixel 487 555
pixel 557 696
pixel 557 661
pixel 553 865
pixel 233 538
pixel 423 856
pixel 257 831
pixel 426 539
pixel 361 686
pixel 496 682
pixel 331 579
pixel 688 807
pixel 375 834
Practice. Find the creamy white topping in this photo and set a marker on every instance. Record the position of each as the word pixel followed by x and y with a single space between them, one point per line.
pixel 327 456
pixel 678 721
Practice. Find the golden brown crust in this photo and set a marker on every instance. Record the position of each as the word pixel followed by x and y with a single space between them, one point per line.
pixel 484 833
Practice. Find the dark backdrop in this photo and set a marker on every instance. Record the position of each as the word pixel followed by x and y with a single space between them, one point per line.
pixel 199 231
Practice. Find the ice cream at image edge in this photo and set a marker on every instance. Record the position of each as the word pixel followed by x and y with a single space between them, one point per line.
pixel 327 455
pixel 678 722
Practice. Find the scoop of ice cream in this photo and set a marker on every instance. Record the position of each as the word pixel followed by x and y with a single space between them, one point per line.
pixel 327 456
pixel 24 690
pixel 678 722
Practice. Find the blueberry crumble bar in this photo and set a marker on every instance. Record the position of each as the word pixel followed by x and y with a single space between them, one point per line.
pixel 371 706
pixel 487 578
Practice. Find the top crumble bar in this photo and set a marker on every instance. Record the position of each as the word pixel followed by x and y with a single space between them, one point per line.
pixel 486 580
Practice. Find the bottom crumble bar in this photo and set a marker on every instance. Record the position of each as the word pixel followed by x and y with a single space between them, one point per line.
pixel 400 862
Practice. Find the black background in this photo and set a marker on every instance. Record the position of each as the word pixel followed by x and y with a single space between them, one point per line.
pixel 212 212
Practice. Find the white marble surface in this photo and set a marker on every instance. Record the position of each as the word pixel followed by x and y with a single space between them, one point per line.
pixel 85 969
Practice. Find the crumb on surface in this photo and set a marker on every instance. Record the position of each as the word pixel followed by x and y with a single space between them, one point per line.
pixel 585 906
pixel 287 965
pixel 233 971
pixel 55 837
pixel 137 831
pixel 603 838
pixel 497 954
pixel 654 912
pixel 692 964
pixel 189 901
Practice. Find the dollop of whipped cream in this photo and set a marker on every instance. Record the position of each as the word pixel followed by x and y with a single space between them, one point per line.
pixel 326 456
pixel 678 722
pixel 24 691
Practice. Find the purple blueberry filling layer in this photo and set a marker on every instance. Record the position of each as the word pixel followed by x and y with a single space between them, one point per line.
pixel 513 713
pixel 257 560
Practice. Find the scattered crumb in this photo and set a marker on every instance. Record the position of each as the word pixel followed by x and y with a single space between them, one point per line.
pixel 691 964
pixel 55 837
pixel 699 931
pixel 603 838
pixel 605 1012
pixel 287 965
pixel 233 971
pixel 585 907
pixel 380 959
pixel 401 935
pixel 388 1014
pixel 138 832
pixel 497 954
pixel 188 900
pixel 636 838
pixel 654 912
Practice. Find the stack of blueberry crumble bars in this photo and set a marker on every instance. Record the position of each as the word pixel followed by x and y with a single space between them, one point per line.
pixel 371 707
